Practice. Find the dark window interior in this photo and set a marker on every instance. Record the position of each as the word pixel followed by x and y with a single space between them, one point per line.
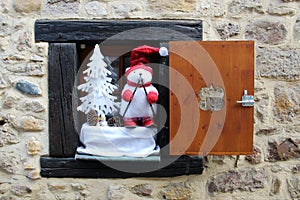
pixel 119 63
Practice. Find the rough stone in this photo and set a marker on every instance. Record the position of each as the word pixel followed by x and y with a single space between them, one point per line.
pixel 57 187
pixel 278 63
pixel 22 40
pixel 211 8
pixel 27 123
pixel 8 135
pixel 65 195
pixel 297 30
pixel 10 101
pixel 281 10
pixel 3 82
pixel 275 186
pixel 266 131
pixel 266 31
pixel 37 58
pixel 4 45
pixel 8 162
pixel 57 1
pixel 293 188
pixel 273 152
pixel 31 105
pixel 125 8
pixel 296 169
pixel 40 53
pixel 95 8
pixel 34 175
pixel 28 88
pixel 19 26
pixel 260 95
pixel 256 157
pixel 78 186
pixel 286 105
pixel 238 8
pixel 4 6
pixel 116 192
pixel 20 190
pixel 217 159
pixel 33 124
pixel 7 197
pixel 176 191
pixel 13 58
pixel 262 110
pixel 276 168
pixel 83 194
pixel 234 180
pixel 4 187
pixel 28 166
pixel 62 7
pixel 27 6
pixel 3 120
pixel 45 194
pixel 142 189
pixel 30 69
pixel 173 5
pixel 286 150
pixel 33 146
pixel 228 30
pixel 5 28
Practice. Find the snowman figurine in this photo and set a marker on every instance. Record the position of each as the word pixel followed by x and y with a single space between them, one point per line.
pixel 139 95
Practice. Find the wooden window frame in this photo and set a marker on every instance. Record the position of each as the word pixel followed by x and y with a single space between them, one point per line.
pixel 64 38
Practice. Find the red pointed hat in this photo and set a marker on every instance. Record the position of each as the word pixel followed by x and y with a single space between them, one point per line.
pixel 138 58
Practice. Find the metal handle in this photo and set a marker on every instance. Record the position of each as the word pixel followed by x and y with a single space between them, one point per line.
pixel 246 101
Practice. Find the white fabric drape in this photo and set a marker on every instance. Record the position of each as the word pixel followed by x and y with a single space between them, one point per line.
pixel 118 141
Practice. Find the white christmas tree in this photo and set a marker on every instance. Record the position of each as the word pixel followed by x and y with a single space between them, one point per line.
pixel 98 87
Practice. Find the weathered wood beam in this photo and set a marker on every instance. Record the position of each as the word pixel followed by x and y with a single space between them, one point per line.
pixel 99 30
pixel 69 167
pixel 62 69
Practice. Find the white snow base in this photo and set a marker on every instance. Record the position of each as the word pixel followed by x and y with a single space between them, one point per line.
pixel 118 141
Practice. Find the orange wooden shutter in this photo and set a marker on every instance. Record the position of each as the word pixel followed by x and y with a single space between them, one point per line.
pixel 211 64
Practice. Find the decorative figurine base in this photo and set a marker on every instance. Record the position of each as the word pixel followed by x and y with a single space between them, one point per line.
pixel 118 141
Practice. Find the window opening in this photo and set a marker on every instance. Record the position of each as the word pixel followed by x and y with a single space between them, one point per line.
pixel 67 49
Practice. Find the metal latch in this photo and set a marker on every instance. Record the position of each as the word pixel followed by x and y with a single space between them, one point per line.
pixel 247 100
pixel 211 98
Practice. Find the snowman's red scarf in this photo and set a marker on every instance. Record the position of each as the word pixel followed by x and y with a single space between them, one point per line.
pixel 137 85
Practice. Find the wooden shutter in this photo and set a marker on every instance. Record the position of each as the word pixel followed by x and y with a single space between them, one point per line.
pixel 216 64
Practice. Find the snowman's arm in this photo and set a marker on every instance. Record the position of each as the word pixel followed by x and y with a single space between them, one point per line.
pixel 152 95
pixel 127 95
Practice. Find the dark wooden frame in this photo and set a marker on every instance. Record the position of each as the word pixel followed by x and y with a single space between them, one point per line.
pixel 64 37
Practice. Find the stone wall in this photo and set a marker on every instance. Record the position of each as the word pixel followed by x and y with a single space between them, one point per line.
pixel 272 172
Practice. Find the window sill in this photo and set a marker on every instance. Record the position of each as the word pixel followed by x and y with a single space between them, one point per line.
pixel 72 168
